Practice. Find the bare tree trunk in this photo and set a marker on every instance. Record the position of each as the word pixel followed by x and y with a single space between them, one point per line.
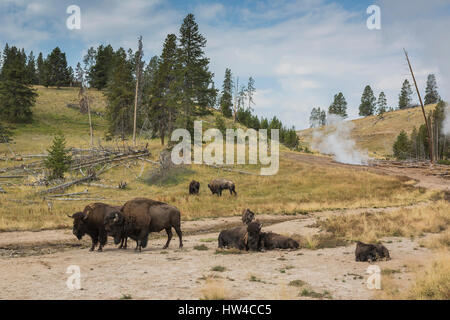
pixel 430 140
pixel 90 120
pixel 135 107
pixel 235 99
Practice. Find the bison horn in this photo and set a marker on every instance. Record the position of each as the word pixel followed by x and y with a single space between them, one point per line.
pixel 69 216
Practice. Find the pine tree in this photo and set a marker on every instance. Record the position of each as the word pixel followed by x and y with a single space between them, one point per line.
pixel 382 104
pixel 193 73
pixel 41 70
pixel 431 93
pixel 367 106
pixel 58 160
pixel 401 146
pixel 162 100
pixel 405 99
pixel 99 63
pixel 57 71
pixel 339 106
pixel 226 99
pixel 250 91
pixel 31 69
pixel 120 95
pixel 220 124
pixel 16 96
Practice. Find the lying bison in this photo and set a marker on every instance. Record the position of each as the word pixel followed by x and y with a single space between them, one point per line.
pixel 194 187
pixel 270 241
pixel 91 222
pixel 233 238
pixel 247 216
pixel 217 185
pixel 371 252
pixel 140 216
pixel 242 238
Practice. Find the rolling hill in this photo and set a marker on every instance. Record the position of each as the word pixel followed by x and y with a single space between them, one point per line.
pixel 376 135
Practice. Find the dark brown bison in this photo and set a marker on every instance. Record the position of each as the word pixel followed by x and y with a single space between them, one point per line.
pixel 270 240
pixel 233 238
pixel 217 185
pixel 247 216
pixel 253 235
pixel 90 222
pixel 140 216
pixel 371 252
pixel 194 187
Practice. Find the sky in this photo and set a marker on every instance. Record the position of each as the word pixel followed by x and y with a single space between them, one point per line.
pixel 300 52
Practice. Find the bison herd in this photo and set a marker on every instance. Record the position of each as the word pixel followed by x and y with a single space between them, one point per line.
pixel 138 217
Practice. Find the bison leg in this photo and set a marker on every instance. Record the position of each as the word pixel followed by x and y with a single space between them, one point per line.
pixel 94 242
pixel 180 235
pixel 123 243
pixel 169 237
pixel 103 238
pixel 220 192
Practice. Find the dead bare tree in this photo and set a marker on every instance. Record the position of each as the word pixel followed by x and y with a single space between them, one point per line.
pixel 430 139
pixel 138 75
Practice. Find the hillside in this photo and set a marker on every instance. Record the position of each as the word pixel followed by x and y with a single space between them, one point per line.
pixel 377 135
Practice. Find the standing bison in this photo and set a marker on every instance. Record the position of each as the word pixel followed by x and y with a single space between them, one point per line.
pixel 194 187
pixel 140 216
pixel 371 252
pixel 217 185
pixel 90 222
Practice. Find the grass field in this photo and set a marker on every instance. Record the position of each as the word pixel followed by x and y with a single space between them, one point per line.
pixel 377 135
pixel 297 188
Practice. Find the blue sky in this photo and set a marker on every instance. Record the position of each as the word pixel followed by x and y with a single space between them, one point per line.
pixel 300 52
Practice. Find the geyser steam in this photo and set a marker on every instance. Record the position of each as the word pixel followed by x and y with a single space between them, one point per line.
pixel 336 140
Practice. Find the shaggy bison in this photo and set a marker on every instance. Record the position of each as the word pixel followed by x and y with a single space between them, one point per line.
pixel 270 240
pixel 217 185
pixel 371 252
pixel 90 222
pixel 194 187
pixel 247 216
pixel 234 238
pixel 140 216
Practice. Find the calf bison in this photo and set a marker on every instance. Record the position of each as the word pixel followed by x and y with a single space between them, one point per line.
pixel 140 216
pixel 371 252
pixel 91 222
pixel 194 187
pixel 217 185
pixel 270 240
pixel 247 216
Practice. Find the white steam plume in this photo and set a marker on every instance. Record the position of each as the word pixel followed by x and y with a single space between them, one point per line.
pixel 336 141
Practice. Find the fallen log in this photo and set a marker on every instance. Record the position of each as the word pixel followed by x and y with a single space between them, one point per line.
pixel 68 184
pixel 68 194
pixel 12 177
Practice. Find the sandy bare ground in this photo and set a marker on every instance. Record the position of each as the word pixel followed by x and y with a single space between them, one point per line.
pixel 180 274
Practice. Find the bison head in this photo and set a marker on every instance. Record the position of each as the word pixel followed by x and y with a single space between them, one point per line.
pixel 247 216
pixel 114 222
pixel 79 224
pixel 254 234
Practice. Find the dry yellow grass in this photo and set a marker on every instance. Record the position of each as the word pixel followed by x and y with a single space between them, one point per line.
pixel 214 289
pixel 378 135
pixel 298 187
pixel 404 222
pixel 430 282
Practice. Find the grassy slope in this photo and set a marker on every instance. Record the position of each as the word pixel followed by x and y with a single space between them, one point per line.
pixel 297 187
pixel 378 135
